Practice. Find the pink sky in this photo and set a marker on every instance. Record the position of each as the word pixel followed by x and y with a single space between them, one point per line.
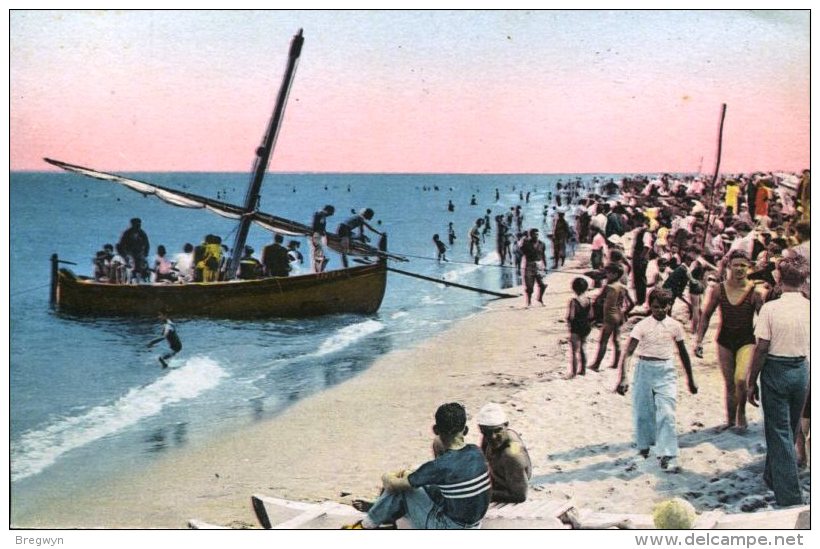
pixel 479 92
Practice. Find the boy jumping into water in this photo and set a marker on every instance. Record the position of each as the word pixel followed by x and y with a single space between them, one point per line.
pixel 169 333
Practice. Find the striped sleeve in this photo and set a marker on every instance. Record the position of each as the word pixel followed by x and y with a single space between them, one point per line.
pixel 468 488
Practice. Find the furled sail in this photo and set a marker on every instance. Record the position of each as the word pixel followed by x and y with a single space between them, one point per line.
pixel 184 199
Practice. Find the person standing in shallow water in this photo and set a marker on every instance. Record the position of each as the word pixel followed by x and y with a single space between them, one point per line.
pixel 738 301
pixel 533 256
pixel 441 249
pixel 560 236
pixel 451 233
pixel 475 239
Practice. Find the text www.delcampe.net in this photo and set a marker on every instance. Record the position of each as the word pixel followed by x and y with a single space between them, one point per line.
pixel 699 540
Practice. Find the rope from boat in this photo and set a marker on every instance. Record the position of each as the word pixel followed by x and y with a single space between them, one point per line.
pixel 457 262
pixel 40 287
pixel 230 233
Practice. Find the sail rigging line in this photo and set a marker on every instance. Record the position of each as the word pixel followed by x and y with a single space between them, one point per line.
pixel 185 199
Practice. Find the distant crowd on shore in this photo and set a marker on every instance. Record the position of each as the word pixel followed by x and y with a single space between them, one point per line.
pixel 740 245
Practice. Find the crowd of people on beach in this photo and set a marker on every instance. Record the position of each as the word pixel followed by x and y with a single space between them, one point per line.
pixel 738 244
pixel 741 246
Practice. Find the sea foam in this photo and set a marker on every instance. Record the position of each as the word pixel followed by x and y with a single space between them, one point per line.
pixel 36 450
pixel 348 335
pixel 459 272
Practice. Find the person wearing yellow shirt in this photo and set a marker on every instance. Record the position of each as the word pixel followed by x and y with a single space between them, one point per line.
pixel 732 191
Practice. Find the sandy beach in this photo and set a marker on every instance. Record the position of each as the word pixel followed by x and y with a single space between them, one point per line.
pixel 336 445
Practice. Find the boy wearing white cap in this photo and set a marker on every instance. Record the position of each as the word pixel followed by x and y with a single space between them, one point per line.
pixel 509 461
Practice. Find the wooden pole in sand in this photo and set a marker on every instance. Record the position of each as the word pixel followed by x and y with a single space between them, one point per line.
pixel 714 177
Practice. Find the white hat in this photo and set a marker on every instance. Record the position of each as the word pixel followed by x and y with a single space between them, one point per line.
pixel 491 415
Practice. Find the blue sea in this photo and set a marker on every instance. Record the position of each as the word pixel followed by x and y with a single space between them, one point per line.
pixel 88 399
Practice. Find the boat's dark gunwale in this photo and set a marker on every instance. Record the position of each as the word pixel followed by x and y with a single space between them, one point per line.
pixel 357 289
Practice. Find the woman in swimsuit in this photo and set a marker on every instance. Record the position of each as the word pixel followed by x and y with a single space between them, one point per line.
pixel 738 300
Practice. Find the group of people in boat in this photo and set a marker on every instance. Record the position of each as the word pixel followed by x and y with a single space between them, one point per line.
pixel 128 263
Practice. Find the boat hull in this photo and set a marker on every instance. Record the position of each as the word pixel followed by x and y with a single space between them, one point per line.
pixel 354 290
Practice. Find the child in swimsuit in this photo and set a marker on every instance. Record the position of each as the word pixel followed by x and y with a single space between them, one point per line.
pixel 578 319
pixel 441 249
pixel 617 305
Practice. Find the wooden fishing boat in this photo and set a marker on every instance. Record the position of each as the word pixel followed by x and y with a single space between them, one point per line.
pixel 357 289
pixel 354 290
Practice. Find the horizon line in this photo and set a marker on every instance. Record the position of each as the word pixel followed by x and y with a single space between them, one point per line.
pixel 580 173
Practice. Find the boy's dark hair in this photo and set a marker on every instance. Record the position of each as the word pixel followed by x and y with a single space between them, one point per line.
pixel 689 256
pixel 278 238
pixel 451 418
pixel 662 296
pixel 775 248
pixel 614 268
pixel 580 285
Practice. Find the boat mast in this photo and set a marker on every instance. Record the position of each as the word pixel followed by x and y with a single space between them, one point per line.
pixel 263 154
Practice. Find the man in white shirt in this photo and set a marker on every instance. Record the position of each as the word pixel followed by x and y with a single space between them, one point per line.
pixel 779 359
